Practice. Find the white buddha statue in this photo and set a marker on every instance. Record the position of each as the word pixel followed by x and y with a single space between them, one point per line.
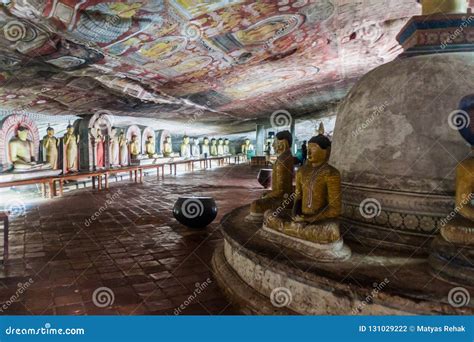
pixel 114 148
pixel 185 148
pixel 195 150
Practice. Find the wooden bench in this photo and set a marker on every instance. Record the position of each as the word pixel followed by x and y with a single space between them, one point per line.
pixel 4 217
pixel 43 181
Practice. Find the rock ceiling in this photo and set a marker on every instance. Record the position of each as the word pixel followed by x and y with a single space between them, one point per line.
pixel 224 62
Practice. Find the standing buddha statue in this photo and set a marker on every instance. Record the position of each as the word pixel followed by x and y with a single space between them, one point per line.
pixel 213 147
pixel 99 148
pixel 114 148
pixel 205 148
pixel 123 145
pixel 195 151
pixel 282 178
pixel 50 148
pixel 71 158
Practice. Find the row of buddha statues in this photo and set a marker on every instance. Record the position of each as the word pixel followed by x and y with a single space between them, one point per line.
pixel 191 148
pixel 22 154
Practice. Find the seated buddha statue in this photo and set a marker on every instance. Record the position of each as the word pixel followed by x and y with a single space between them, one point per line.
pixel 168 147
pixel 21 151
pixel 226 146
pixel 150 147
pixel 317 199
pixel 459 230
pixel 282 179
pixel 50 148
pixel 185 148
pixel 213 147
pixel 134 148
pixel 195 150
pixel 220 147
pixel 246 146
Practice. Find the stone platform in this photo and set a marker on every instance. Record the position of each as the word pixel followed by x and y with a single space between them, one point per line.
pixel 263 277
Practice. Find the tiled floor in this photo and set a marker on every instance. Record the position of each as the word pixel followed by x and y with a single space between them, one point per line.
pixel 134 255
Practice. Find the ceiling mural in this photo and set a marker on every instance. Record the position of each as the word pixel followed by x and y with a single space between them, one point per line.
pixel 232 59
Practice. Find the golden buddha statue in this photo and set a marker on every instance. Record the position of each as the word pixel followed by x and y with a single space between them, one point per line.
pixel 167 147
pixel 317 200
pixel 282 179
pixel 459 229
pixel 134 148
pixel 246 146
pixel 213 147
pixel 21 153
pixel 50 148
pixel 185 148
pixel 71 141
pixel 150 147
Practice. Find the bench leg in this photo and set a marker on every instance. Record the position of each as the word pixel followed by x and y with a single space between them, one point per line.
pixel 5 238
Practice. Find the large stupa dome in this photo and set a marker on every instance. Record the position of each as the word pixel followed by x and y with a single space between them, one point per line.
pixel 397 147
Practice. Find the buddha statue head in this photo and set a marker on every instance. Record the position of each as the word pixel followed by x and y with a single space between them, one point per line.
pixel 247 142
pixel 220 141
pixel 168 139
pixel 22 133
pixel 319 149
pixel 206 141
pixel 213 141
pixel 186 140
pixel 196 142
pixel 149 139
pixel 70 129
pixel 113 132
pixel 134 138
pixel 98 133
pixel 50 131
pixel 226 141
pixel 282 142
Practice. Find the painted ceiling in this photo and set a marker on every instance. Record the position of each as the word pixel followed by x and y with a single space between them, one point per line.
pixel 201 62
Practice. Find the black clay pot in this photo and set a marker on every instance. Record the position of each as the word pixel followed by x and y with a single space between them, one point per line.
pixel 265 178
pixel 195 212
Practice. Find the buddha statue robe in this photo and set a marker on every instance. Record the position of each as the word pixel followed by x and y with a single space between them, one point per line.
pixel 71 141
pixel 50 148
pixel 124 160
